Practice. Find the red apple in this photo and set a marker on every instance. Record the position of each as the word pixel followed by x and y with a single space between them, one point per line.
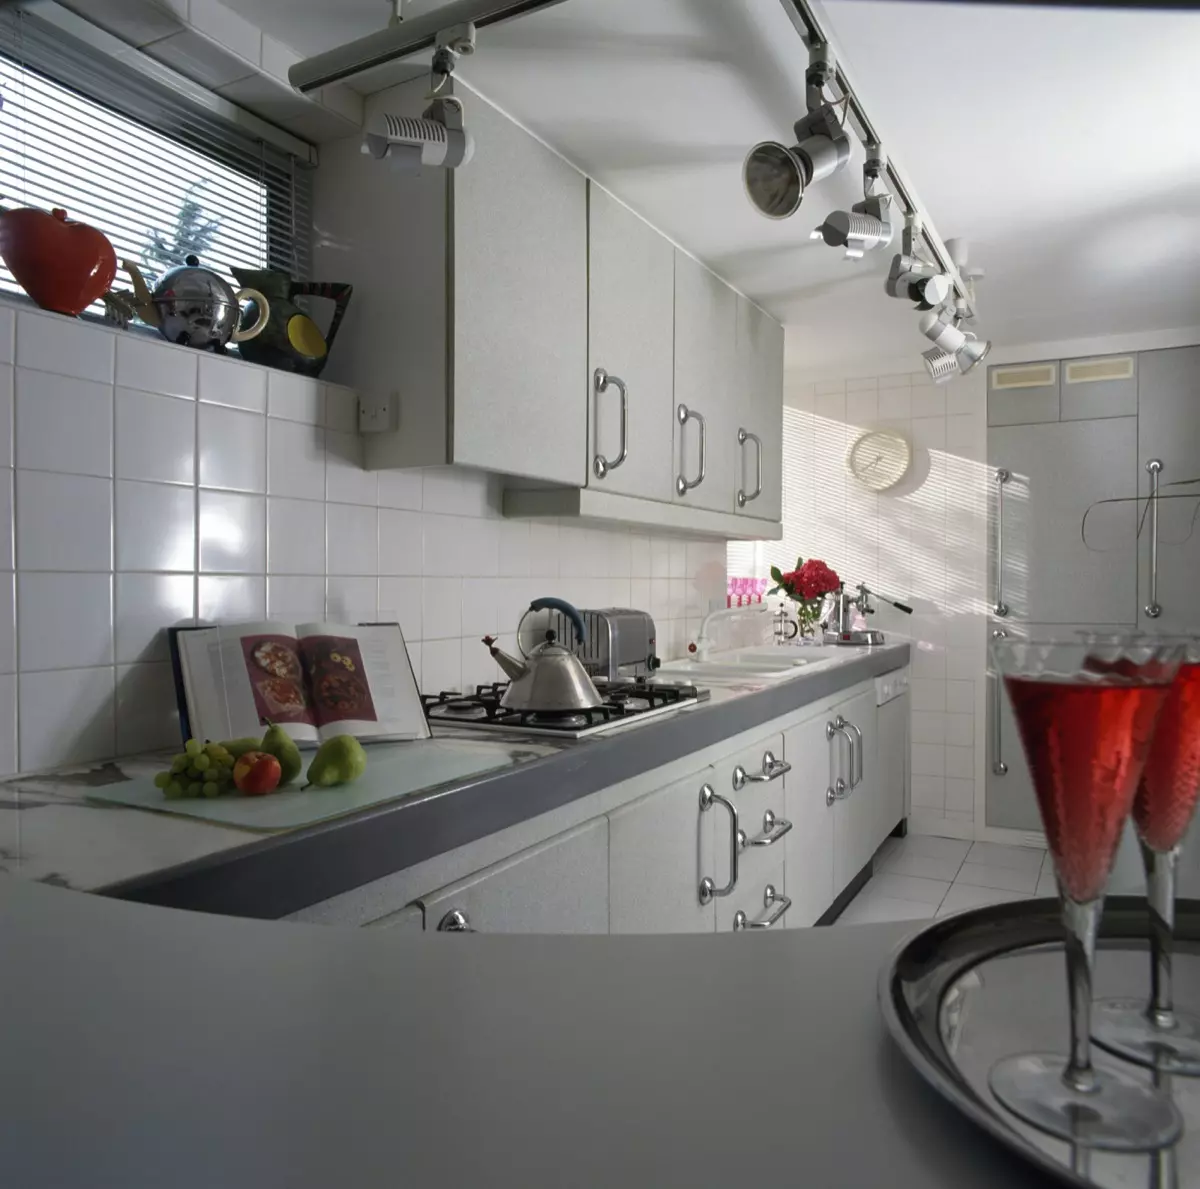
pixel 257 773
pixel 63 265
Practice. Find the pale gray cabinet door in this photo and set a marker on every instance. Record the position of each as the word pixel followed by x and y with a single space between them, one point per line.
pixel 519 348
pixel 660 848
pixel 631 287
pixel 409 919
pixel 810 843
pixel 1100 386
pixel 1021 393
pixel 1169 430
pixel 705 360
pixel 758 383
pixel 856 819
pixel 1058 470
pixel 559 886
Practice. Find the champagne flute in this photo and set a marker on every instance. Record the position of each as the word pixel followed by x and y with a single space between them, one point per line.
pixel 1156 1033
pixel 1086 728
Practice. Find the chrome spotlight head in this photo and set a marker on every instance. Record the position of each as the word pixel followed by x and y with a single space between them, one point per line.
pixel 865 226
pixel 941 365
pixel 918 281
pixel 956 352
pixel 776 176
pixel 972 353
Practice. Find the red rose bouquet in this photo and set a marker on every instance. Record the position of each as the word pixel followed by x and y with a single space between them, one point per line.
pixel 806 585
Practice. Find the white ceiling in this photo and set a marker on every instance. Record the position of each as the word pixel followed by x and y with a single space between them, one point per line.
pixel 1058 141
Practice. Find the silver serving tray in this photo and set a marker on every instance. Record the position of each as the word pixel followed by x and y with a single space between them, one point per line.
pixel 981 985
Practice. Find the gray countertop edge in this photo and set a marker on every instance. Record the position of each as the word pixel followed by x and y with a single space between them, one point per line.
pixel 275 876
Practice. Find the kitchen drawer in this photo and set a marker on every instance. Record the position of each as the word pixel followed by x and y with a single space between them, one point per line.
pixel 758 904
pixel 560 886
pixel 760 806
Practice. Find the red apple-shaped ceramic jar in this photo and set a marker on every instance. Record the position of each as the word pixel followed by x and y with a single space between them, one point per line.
pixel 63 265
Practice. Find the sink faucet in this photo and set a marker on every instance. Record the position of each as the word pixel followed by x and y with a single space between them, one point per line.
pixel 703 644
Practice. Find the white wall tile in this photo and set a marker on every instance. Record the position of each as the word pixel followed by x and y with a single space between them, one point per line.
pixel 8 623
pixel 929 402
pixel 513 548
pixel 8 325
pixel 351 539
pixel 862 408
pixel 66 717
pixel 295 398
pixel 400 489
pixel 54 343
pixel 66 620
pixel 401 542
pixel 147 713
pixel 543 549
pixel 229 599
pixel 479 608
pixel 346 482
pixel 928 760
pixel 232 451
pixel 457 492
pixel 152 365
pixel 928 694
pixel 8 725
pixel 6 414
pixel 352 600
pixel 155 527
pixel 960 761
pixel 441 601
pixel 155 437
pixel 400 600
pixel 295 537
pixel 341 408
pixel 929 792
pixel 233 533
pixel 63 424
pixel 960 728
pixel 295 599
pixel 639 556
pixel 64 522
pixel 295 460
pixel 960 795
pixel 895 404
pixel 441 665
pixel 145 605
pixel 928 727
pixel 228 382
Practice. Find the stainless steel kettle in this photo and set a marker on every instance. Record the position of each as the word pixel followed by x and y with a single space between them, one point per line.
pixel 551 680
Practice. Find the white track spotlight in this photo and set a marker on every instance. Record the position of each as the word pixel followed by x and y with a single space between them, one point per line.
pixel 918 281
pixel 867 224
pixel 437 138
pixel 953 347
pixel 776 176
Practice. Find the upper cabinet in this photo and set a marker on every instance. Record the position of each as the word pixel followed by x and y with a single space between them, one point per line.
pixel 758 392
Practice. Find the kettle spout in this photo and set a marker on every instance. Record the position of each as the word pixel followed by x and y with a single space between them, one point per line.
pixel 514 668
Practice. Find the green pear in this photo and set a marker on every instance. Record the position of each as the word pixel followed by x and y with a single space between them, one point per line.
pixel 239 747
pixel 338 761
pixel 282 746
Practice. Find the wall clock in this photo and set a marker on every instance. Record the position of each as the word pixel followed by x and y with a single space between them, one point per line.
pixel 879 459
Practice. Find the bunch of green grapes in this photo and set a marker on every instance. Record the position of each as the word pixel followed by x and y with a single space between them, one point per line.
pixel 200 770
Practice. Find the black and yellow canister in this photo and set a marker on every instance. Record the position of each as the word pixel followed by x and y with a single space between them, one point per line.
pixel 291 340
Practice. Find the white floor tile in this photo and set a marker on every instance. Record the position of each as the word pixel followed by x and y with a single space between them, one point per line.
pixel 983 875
pixel 903 862
pixel 1019 858
pixel 868 908
pixel 910 887
pixel 935 848
pixel 962 896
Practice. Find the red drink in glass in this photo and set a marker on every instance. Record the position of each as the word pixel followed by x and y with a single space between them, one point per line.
pixel 1170 784
pixel 1086 744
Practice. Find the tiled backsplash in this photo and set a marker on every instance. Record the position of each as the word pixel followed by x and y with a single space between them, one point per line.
pixel 155 485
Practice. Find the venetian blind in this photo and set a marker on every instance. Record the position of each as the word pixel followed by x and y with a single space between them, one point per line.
pixel 160 176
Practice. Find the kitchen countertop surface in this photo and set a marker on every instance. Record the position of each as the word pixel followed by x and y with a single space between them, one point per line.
pixel 51 833
pixel 209 1050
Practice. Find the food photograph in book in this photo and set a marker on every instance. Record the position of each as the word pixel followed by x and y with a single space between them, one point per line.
pixel 337 679
pixel 277 679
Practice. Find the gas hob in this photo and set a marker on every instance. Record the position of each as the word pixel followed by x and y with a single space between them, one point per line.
pixel 625 704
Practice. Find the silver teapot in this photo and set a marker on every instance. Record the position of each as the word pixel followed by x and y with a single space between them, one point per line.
pixel 196 307
pixel 551 679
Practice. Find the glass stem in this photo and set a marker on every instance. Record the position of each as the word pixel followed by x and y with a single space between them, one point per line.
pixel 1160 895
pixel 1081 922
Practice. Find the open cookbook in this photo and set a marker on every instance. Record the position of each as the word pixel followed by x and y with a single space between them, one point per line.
pixel 315 680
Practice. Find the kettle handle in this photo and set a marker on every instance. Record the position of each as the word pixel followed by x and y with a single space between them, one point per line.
pixel 552 604
pixel 264 314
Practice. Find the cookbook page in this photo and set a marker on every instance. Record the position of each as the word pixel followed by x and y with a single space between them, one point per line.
pixel 263 680
pixel 361 681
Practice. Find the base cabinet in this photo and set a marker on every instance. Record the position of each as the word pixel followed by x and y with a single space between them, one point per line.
pixel 810 809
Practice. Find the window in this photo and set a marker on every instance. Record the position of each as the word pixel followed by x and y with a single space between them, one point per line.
pixel 160 177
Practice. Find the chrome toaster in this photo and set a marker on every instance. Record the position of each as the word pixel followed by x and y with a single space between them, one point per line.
pixel 620 642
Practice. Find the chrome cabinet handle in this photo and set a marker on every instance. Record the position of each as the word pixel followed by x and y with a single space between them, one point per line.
pixel 600 382
pixel 455 921
pixel 683 415
pixel 999 767
pixel 1154 469
pixel 708 889
pixel 770 896
pixel 745 436
pixel 1002 477
pixel 836 792
pixel 856 750
pixel 774 828
pixel 771 770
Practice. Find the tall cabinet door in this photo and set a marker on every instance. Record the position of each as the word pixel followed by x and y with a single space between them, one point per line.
pixel 519 271
pixel 631 290
pixel 758 385
pixel 1169 432
pixel 856 817
pixel 1053 571
pixel 705 362
pixel 810 842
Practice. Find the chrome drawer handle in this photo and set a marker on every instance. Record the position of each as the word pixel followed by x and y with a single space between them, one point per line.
pixel 836 792
pixel 999 767
pixel 774 828
pixel 772 769
pixel 600 382
pixel 744 497
pixel 683 415
pixel 1154 469
pixel 770 896
pixel 856 750
pixel 708 889
pixel 1002 477
pixel 455 921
